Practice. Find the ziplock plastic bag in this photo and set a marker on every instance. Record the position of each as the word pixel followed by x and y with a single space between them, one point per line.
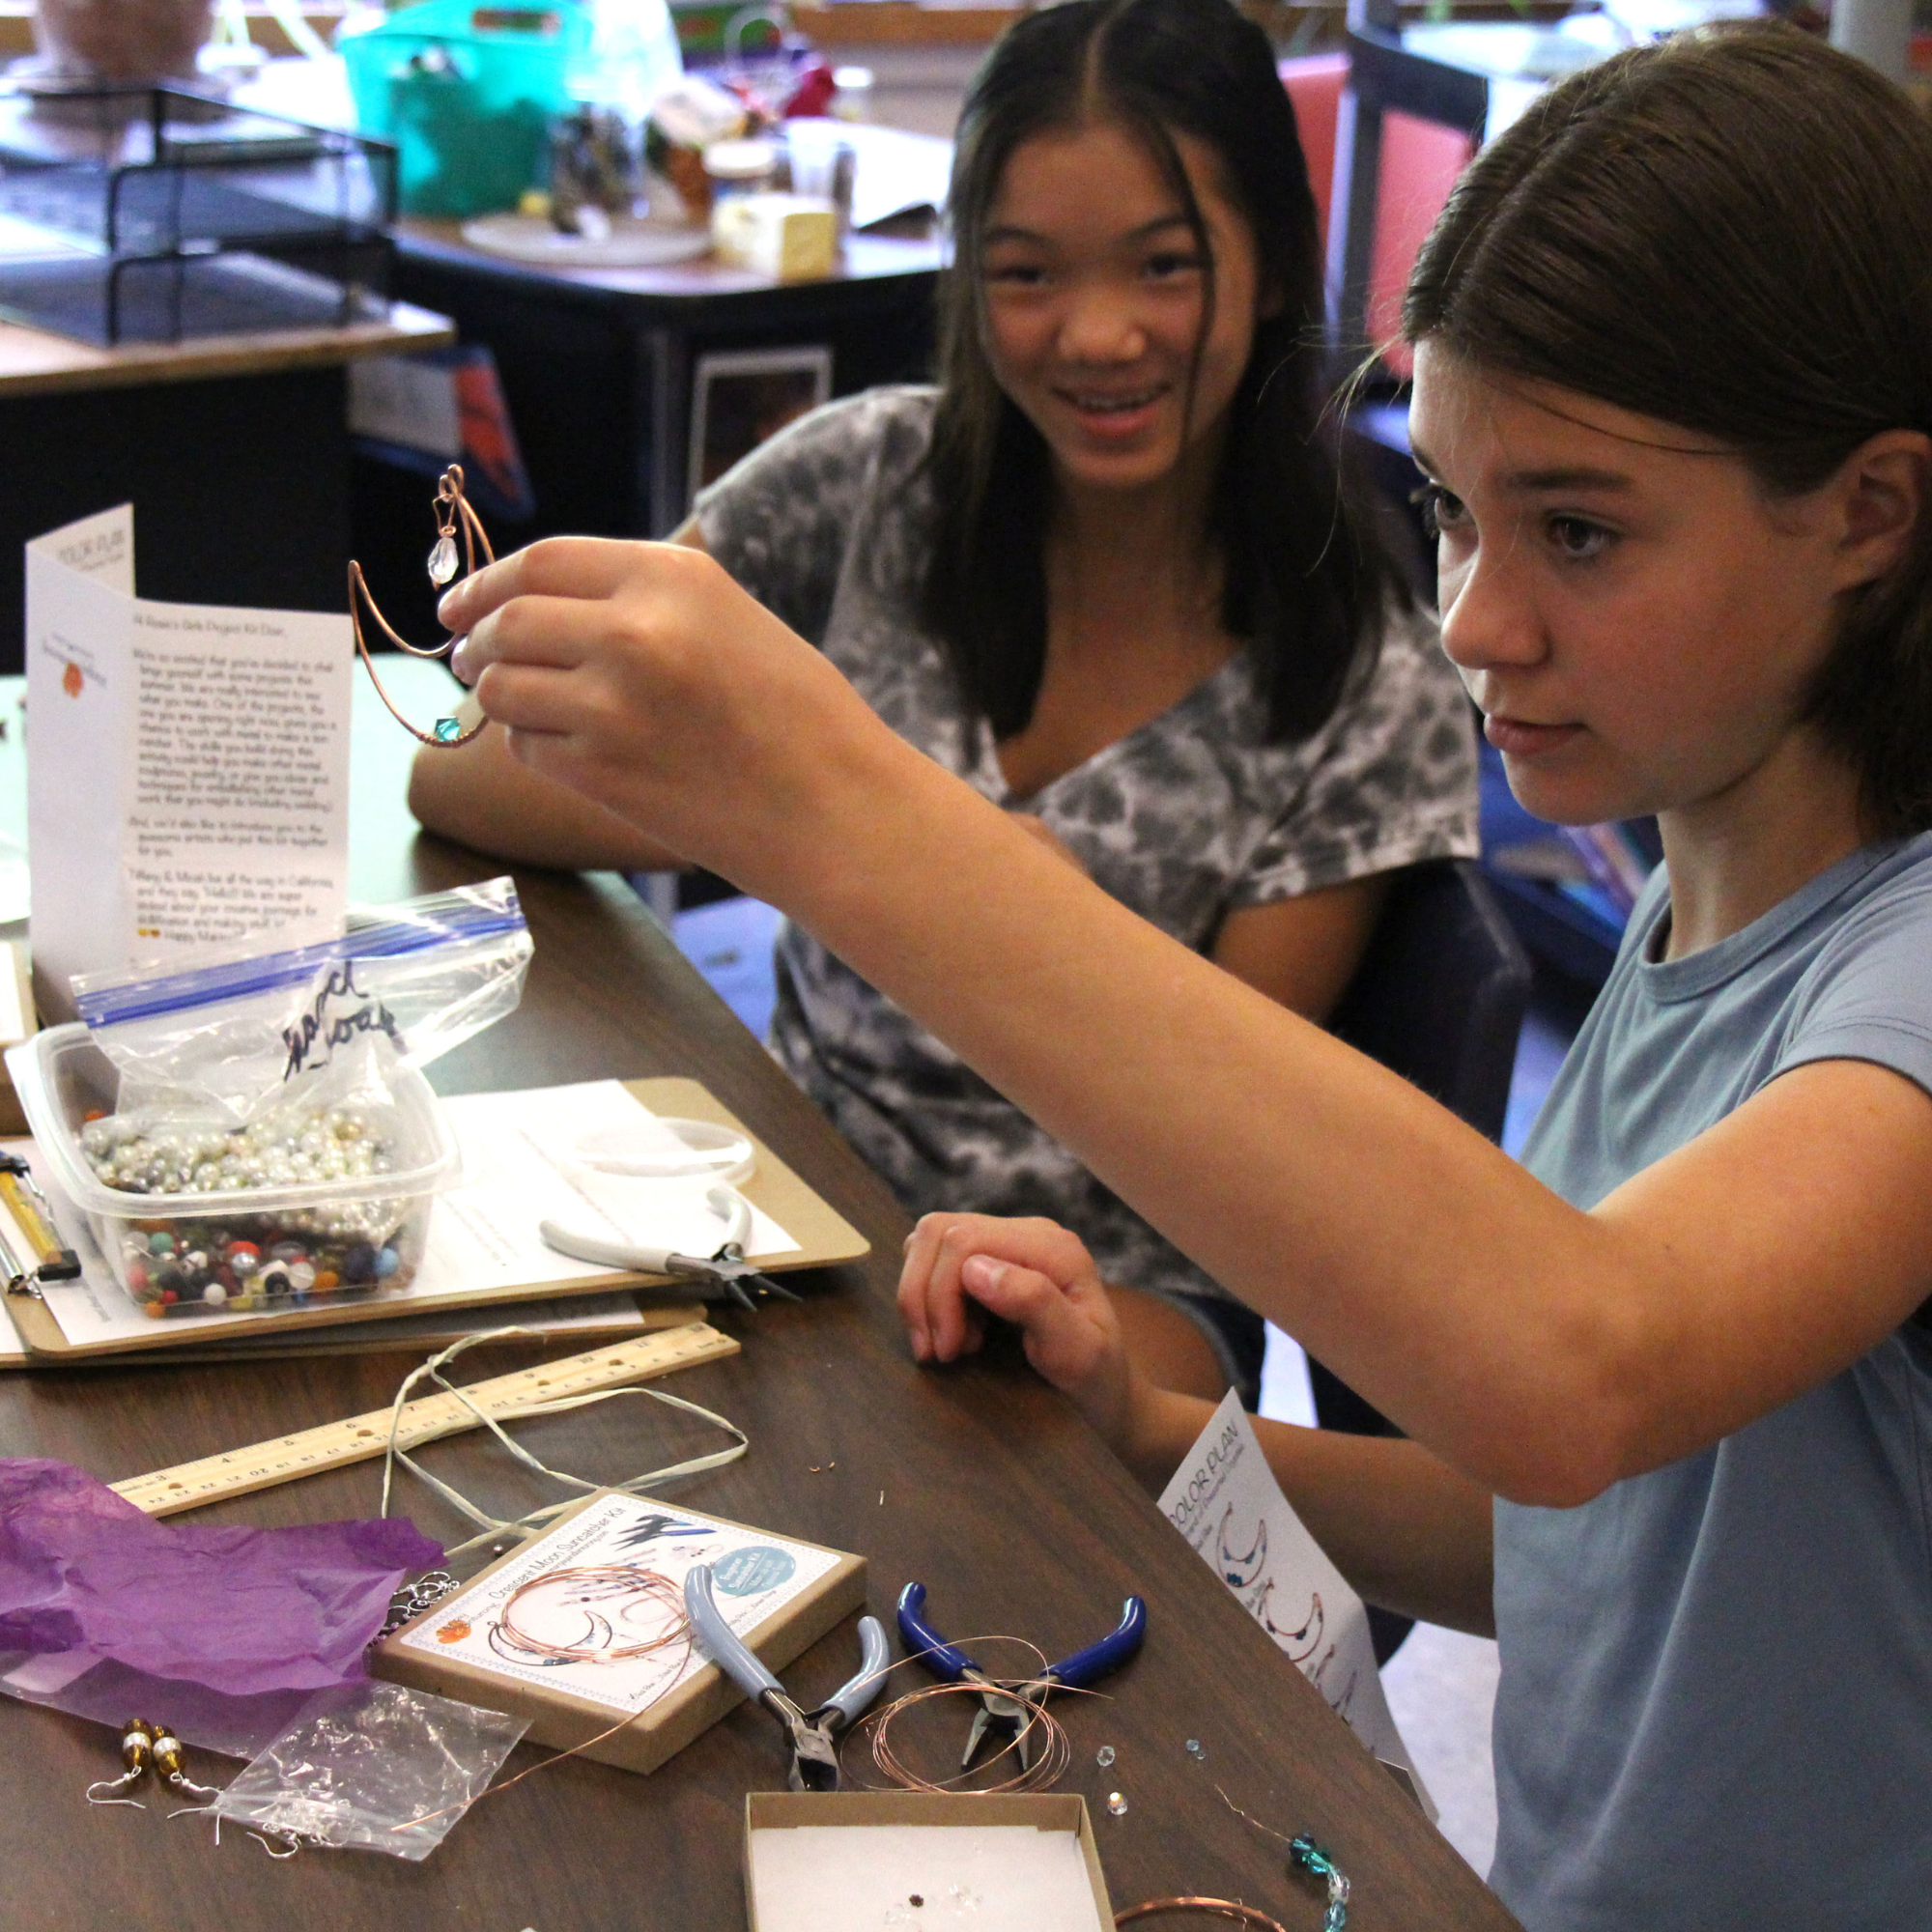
pixel 373 1767
pixel 236 1031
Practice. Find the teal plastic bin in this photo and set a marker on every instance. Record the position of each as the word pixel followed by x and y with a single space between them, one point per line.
pixel 465 93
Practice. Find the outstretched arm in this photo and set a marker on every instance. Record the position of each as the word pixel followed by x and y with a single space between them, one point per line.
pixel 1543 1351
pixel 483 796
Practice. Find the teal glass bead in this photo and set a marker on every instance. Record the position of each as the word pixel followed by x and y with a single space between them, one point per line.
pixel 447 730
pixel 1335 1919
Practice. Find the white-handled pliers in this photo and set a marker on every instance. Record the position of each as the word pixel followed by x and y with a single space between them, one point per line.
pixel 724 1272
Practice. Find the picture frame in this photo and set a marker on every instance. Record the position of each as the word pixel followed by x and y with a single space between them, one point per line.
pixel 741 396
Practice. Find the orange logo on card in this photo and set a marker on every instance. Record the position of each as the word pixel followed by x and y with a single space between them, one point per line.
pixel 71 681
pixel 454 1631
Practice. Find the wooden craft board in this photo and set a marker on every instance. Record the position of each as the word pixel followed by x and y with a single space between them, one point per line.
pixel 356 1438
pixel 824 1237
pixel 659 1731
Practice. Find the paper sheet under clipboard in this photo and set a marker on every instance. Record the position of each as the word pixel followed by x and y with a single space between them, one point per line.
pixel 1225 1500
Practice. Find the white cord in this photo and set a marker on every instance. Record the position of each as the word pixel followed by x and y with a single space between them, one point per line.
pixel 524 1527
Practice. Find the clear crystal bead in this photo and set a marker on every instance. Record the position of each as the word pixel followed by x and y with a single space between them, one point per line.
pixel 442 560
pixel 1117 1803
pixel 1105 1756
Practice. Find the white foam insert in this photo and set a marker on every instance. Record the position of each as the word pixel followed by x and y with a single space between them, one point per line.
pixel 970 1878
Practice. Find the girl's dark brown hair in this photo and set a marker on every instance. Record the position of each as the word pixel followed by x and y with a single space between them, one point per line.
pixel 1305 579
pixel 1730 231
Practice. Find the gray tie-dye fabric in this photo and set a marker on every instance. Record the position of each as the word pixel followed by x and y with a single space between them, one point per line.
pixel 1188 818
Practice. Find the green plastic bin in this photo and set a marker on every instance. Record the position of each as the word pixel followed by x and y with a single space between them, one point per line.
pixel 465 93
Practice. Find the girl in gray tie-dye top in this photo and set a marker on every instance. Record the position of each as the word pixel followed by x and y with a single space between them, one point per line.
pixel 1190 818
pixel 1106 572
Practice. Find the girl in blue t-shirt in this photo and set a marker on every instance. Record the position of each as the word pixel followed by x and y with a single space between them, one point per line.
pixel 1670 1408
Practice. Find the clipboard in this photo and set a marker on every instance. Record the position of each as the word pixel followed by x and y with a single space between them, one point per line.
pixel 824 1236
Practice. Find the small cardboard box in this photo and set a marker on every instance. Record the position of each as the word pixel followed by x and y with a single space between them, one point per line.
pixel 770 1812
pixel 788 237
pixel 557 1716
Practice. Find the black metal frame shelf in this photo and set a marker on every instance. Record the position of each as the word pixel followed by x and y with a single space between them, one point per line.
pixel 155 214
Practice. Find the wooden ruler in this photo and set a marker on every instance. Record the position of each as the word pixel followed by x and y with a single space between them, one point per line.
pixel 191 1484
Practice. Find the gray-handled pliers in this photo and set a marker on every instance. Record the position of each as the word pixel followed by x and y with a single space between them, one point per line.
pixel 813 1734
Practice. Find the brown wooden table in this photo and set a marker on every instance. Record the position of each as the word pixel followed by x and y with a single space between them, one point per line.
pixel 994 1494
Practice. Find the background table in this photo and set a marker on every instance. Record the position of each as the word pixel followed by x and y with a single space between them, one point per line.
pixel 976 1480
pixel 234 451
pixel 597 367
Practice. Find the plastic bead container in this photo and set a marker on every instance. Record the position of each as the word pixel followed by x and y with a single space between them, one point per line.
pixel 266 1249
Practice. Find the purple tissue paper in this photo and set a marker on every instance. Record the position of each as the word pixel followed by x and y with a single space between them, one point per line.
pixel 228 1627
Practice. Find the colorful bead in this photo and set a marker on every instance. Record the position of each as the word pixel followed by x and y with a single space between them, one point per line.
pixel 1304 1852
pixel 447 730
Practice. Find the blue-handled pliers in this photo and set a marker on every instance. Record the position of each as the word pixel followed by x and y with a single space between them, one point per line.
pixel 813 1734
pixel 1004 1701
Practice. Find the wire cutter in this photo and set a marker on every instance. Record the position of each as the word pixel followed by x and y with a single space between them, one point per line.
pixel 814 1734
pixel 1004 1700
pixel 724 1272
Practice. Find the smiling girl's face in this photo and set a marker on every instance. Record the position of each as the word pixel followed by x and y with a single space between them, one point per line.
pixel 1639 622
pixel 1095 293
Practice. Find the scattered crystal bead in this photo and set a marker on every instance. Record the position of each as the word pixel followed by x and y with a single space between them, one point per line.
pixel 1196 1748
pixel 447 730
pixel 1117 1803
pixel 1105 1756
pixel 442 560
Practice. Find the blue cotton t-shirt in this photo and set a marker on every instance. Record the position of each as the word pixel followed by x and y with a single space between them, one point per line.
pixel 1715 1705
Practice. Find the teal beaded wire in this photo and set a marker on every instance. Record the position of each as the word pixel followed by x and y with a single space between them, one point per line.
pixel 452 512
pixel 1302 1851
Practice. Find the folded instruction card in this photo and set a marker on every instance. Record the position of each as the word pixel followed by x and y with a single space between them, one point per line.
pixel 187 766
pixel 1225 1500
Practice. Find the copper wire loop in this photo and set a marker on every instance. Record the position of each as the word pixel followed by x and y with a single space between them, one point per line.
pixel 1052 1751
pixel 658 1586
pixel 619 1581
pixel 1219 1908
pixel 452 511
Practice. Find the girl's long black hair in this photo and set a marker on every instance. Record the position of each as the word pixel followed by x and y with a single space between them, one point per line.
pixel 1305 583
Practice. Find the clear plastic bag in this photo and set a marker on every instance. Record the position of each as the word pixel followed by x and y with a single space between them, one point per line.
pixel 271 1134
pixel 372 1767
pixel 239 1031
